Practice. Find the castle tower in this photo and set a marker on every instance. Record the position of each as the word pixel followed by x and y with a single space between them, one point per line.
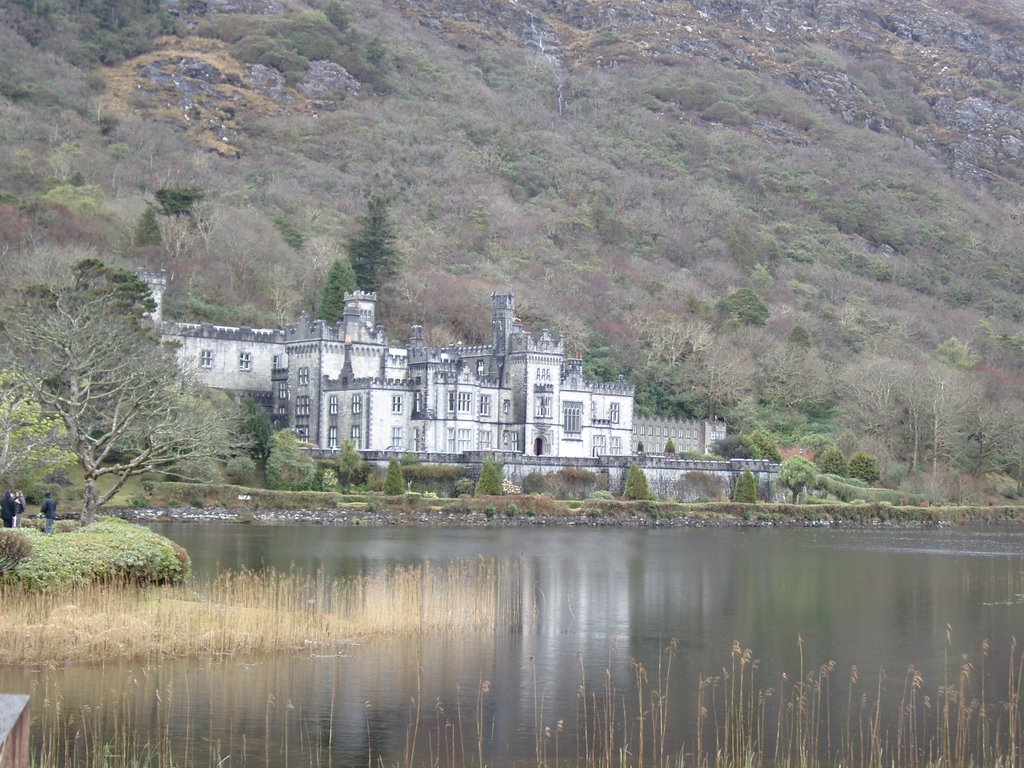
pixel 503 309
pixel 157 282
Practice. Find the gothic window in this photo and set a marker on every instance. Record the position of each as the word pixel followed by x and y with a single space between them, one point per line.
pixel 599 445
pixel 613 413
pixel 245 361
pixel 506 405
pixel 206 358
pixel 417 403
pixel 396 403
pixel 302 406
pixel 356 435
pixel 465 402
pixel 357 403
pixel 485 439
pixel 332 438
pixel 332 405
pixel 616 445
pixel 485 405
pixel 465 440
pixel 282 390
pixel 396 438
pixel 479 367
pixel 543 407
pixel 304 375
pixel 302 432
pixel 451 401
pixel 572 417
pixel 451 440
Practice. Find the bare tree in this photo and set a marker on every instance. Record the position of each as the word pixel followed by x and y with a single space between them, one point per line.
pixel 87 356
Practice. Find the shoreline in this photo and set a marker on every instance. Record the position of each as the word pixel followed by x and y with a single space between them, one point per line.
pixel 473 519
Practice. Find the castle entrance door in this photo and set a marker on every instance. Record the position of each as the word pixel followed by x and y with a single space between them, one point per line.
pixel 538 446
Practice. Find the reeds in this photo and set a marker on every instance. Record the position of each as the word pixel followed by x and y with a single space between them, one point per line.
pixel 254 612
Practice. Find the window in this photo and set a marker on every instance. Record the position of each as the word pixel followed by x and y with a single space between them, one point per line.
pixel 451 439
pixel 332 405
pixel 332 438
pixel 599 445
pixel 396 438
pixel 282 390
pixel 543 406
pixel 479 367
pixel 357 403
pixel 512 438
pixel 415 446
pixel 572 417
pixel 417 403
pixel 616 445
pixel 613 413
pixel 506 405
pixel 396 403
pixel 275 361
pixel 465 440
pixel 485 405
pixel 485 440
pixel 356 435
pixel 465 402
pixel 451 401
pixel 304 375
pixel 302 432
pixel 206 358
pixel 302 406
pixel 245 361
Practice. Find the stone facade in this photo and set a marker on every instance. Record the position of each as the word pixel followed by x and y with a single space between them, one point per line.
pixel 520 394
pixel 651 434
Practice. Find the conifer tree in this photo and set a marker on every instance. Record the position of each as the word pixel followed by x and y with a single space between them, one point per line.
pixel 746 488
pixel 670 447
pixel 865 467
pixel 371 250
pixel 636 484
pixel 489 483
pixel 339 281
pixel 147 231
pixel 832 462
pixel 394 480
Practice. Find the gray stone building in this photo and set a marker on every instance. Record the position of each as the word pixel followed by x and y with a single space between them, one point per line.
pixel 651 434
pixel 330 383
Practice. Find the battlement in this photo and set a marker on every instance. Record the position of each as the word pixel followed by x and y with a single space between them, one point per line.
pixel 545 341
pixel 225 332
pixel 606 387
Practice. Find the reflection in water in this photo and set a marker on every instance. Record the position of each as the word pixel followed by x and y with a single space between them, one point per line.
pixel 599 598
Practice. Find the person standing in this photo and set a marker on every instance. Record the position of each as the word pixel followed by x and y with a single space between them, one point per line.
pixel 19 506
pixel 49 510
pixel 7 509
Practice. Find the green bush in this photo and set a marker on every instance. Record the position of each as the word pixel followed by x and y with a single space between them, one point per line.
pixel 107 550
pixel 566 483
pixel 636 485
pixel 394 482
pixel 746 488
pixel 240 470
pixel 14 547
pixel 439 479
pixel 489 483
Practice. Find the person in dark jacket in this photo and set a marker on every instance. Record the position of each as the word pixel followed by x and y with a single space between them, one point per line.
pixel 7 509
pixel 49 510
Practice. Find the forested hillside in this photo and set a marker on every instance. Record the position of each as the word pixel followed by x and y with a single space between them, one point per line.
pixel 806 219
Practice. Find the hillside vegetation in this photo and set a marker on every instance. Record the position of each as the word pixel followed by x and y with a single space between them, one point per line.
pixel 804 220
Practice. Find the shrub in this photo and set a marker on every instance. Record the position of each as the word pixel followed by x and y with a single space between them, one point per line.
pixel 107 550
pixel 832 462
pixel 288 467
pixel 14 547
pixel 670 447
pixel 240 470
pixel 602 495
pixel 437 479
pixel 746 488
pixel 464 487
pixel 636 484
pixel 489 483
pixel 394 482
pixel 865 467
pixel 566 483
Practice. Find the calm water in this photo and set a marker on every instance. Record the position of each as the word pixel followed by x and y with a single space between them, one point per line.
pixel 878 599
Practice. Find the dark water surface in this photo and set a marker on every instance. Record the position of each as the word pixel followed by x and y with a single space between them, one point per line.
pixel 880 599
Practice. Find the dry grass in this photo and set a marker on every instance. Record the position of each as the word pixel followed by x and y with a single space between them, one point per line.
pixel 247 612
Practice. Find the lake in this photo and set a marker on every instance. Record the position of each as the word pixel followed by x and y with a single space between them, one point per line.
pixel 810 604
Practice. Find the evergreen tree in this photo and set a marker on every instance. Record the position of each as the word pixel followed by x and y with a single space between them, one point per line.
pixel 489 483
pixel 636 485
pixel 745 491
pixel 339 281
pixel 394 480
pixel 865 467
pixel 147 231
pixel 764 447
pixel 832 462
pixel 255 427
pixel 372 249
pixel 178 201
pixel 670 447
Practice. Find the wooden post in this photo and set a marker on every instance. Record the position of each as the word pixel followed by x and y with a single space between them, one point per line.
pixel 14 717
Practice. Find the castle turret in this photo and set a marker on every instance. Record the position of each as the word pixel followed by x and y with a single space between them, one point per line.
pixel 503 309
